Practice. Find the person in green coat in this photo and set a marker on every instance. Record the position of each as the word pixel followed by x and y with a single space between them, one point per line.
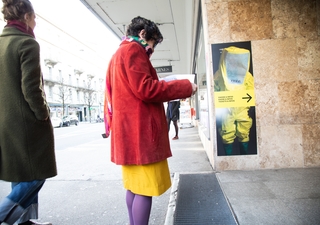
pixel 27 156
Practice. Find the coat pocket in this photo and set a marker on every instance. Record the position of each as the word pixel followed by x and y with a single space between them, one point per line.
pixel 155 130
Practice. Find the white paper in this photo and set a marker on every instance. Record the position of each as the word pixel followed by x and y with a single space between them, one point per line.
pixel 190 77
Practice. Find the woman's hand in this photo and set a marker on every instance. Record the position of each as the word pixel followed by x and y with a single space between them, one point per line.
pixel 194 88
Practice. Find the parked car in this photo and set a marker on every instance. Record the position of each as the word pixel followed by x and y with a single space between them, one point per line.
pixel 56 121
pixel 70 120
pixel 99 119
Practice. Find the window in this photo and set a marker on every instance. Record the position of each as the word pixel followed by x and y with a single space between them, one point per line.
pixel 50 72
pixel 70 94
pixel 50 92
pixel 60 76
pixel 202 94
pixel 100 85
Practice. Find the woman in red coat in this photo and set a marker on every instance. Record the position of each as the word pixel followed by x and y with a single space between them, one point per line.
pixel 135 117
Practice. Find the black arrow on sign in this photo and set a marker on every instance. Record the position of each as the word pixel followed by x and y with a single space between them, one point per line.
pixel 249 97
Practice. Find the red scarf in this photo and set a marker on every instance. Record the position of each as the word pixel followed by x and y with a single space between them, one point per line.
pixel 20 26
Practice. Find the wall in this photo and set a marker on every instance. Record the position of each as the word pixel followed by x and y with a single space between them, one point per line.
pixel 285 39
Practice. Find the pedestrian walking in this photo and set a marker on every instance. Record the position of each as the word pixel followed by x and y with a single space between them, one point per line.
pixel 26 134
pixel 173 114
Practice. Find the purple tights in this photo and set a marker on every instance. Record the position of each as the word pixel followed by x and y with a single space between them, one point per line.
pixel 139 208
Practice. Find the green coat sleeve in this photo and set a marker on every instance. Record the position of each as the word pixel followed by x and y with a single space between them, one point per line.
pixel 32 81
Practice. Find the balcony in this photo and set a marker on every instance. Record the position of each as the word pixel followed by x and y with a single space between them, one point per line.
pixel 90 76
pixel 50 62
pixel 78 71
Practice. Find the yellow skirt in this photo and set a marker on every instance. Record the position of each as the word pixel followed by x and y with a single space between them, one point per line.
pixel 148 180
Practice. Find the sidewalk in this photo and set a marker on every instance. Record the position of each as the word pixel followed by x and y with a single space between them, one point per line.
pixel 88 189
pixel 284 196
pixel 279 196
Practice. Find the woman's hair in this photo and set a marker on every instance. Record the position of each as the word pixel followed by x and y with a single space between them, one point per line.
pixel 139 23
pixel 16 9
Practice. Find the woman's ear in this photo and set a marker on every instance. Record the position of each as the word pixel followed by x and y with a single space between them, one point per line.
pixel 142 34
pixel 26 17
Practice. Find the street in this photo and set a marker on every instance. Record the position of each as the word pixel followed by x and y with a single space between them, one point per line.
pixel 82 153
pixel 72 136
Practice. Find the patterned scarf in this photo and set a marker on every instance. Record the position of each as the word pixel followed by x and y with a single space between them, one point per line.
pixel 20 26
pixel 108 94
pixel 144 44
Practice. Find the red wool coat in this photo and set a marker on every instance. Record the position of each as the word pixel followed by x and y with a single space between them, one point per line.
pixel 139 132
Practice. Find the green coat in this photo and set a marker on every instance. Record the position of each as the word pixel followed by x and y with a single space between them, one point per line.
pixel 26 139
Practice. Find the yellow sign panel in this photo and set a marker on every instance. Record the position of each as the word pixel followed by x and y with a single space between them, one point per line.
pixel 228 99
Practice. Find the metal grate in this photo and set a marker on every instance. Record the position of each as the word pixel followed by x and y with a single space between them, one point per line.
pixel 200 200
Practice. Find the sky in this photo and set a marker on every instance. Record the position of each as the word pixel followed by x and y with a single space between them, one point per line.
pixel 73 17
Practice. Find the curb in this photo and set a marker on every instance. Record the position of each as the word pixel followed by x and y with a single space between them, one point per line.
pixel 172 201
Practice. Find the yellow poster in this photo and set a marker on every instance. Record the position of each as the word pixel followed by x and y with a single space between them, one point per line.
pixel 234 99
